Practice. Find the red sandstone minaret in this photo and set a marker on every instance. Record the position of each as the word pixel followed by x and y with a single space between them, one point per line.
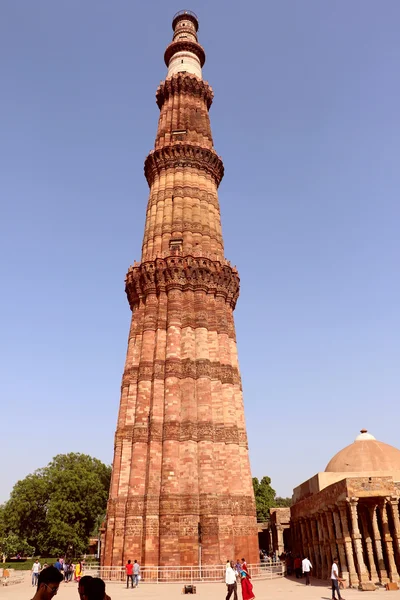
pixel 181 490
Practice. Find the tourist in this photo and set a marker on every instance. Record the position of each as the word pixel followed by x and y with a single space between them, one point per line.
pixel 35 572
pixel 136 572
pixel 48 583
pixel 335 580
pixel 129 573
pixel 66 569
pixel 247 588
pixel 58 564
pixel 96 590
pixel 306 567
pixel 238 568
pixel 78 571
pixel 230 580
pixel 297 566
pixel 83 586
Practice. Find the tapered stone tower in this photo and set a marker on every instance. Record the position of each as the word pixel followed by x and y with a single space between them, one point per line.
pixel 181 490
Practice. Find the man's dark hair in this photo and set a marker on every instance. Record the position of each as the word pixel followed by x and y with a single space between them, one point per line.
pixel 335 559
pixel 135 560
pixel 96 589
pixel 129 562
pixel 50 575
pixel 84 582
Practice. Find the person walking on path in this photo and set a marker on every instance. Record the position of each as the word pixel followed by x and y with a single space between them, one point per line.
pixel 136 572
pixel 335 580
pixel 247 587
pixel 129 573
pixel 35 572
pixel 78 571
pixel 297 566
pixel 230 580
pixel 306 568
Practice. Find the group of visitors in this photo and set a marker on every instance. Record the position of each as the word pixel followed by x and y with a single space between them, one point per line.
pixel 303 567
pixel 68 569
pixel 238 573
pixel 89 588
pixel 132 573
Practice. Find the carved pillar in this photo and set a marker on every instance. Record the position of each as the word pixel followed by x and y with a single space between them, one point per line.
pixel 356 535
pixel 353 576
pixel 279 536
pixel 394 505
pixel 317 553
pixel 388 541
pixel 370 550
pixel 294 526
pixel 340 545
pixel 310 543
pixel 321 538
pixel 269 538
pixel 382 573
pixel 331 534
pixel 304 538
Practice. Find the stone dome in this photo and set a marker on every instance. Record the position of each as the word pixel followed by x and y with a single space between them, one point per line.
pixel 365 455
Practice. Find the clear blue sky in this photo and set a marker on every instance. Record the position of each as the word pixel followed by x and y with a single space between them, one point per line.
pixel 306 118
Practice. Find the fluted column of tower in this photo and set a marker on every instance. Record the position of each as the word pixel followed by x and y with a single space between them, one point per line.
pixel 181 490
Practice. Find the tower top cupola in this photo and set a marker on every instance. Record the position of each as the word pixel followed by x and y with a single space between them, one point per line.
pixel 185 54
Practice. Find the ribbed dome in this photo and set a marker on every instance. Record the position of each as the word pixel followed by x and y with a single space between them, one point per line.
pixel 365 455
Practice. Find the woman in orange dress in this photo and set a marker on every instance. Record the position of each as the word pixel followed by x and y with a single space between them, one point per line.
pixel 247 588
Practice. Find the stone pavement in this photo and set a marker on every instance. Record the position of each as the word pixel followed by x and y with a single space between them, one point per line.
pixel 264 590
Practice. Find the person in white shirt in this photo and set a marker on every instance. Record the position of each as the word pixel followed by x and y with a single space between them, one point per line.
pixel 230 580
pixel 306 568
pixel 35 572
pixel 335 580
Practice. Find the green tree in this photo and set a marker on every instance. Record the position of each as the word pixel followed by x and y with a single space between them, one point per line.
pixel 282 502
pixel 56 508
pixel 11 544
pixel 266 498
pixel 264 495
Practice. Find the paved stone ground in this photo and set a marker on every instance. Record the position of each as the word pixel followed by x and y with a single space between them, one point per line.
pixel 264 590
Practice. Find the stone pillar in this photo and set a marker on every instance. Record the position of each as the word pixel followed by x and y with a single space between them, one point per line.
pixel 295 536
pixel 388 541
pixel 317 553
pixel 340 544
pixel 382 573
pixel 304 538
pixel 311 550
pixel 269 538
pixel 279 536
pixel 394 504
pixel 331 534
pixel 353 576
pixel 370 550
pixel 321 538
pixel 356 535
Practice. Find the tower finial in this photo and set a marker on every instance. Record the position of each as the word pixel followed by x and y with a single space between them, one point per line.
pixel 185 54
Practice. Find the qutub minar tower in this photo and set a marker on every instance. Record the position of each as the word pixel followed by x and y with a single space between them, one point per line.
pixel 181 490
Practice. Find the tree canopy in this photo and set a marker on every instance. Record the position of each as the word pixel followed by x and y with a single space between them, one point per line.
pixel 55 509
pixel 266 498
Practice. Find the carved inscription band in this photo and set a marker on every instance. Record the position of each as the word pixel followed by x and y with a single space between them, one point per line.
pixel 184 431
pixel 174 367
pixel 177 504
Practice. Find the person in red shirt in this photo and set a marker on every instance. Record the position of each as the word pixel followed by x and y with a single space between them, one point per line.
pixel 129 573
pixel 297 567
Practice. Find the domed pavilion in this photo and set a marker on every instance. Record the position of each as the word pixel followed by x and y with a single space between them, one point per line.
pixel 351 510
